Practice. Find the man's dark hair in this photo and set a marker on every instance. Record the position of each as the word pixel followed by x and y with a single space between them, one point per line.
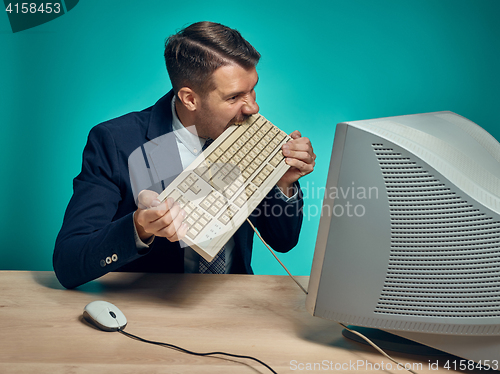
pixel 195 52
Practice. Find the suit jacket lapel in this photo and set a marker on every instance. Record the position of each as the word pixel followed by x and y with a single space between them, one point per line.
pixel 162 150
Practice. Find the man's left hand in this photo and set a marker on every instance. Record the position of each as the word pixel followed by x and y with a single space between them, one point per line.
pixel 300 156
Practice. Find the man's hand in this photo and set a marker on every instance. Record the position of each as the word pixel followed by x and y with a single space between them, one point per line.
pixel 159 219
pixel 300 156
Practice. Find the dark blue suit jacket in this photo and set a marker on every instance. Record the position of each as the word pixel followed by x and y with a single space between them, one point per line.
pixel 98 223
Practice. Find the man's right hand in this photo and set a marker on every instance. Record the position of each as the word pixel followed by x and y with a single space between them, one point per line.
pixel 159 218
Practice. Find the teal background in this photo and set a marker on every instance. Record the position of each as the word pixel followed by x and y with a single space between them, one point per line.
pixel 323 62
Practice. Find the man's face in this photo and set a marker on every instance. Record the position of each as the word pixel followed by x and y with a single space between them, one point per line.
pixel 232 100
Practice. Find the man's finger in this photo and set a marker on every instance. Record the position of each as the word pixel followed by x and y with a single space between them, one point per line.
pixel 302 167
pixel 147 199
pixel 176 230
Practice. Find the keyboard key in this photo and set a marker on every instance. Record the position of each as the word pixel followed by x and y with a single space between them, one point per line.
pixel 187 208
pixel 266 151
pixel 207 177
pixel 205 204
pixel 219 204
pixel 258 180
pixel 211 198
pixel 260 146
pixel 252 167
pixel 192 233
pixel 261 158
pixel 183 187
pixel 238 182
pixel 240 142
pixel 212 157
pixel 224 218
pixel 241 199
pixel 175 194
pixel 237 158
pixel 204 220
pixel 276 159
pixel 213 210
pixel 195 215
pixel 201 169
pixel 252 142
pixel 182 201
pixel 229 193
pixel 218 152
pixel 268 169
pixel 250 190
pixel 196 188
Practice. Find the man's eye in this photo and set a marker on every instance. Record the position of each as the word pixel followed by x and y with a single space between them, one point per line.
pixel 233 98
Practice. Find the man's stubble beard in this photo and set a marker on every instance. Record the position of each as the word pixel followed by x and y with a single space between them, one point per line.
pixel 205 126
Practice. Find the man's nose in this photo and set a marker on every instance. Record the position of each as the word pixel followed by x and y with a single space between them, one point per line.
pixel 250 107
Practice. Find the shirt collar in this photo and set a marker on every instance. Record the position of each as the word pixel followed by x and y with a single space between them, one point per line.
pixel 192 142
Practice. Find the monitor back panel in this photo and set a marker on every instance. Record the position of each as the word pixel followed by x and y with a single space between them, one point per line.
pixel 401 247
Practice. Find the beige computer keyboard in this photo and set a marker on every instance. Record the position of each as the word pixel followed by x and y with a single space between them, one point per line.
pixel 225 183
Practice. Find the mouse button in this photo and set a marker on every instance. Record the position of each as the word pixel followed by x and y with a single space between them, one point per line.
pixel 87 316
pixel 95 307
pixel 118 313
pixel 122 322
pixel 96 321
pixel 103 315
pixel 106 320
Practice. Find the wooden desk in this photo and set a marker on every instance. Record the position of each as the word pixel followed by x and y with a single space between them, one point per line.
pixel 42 331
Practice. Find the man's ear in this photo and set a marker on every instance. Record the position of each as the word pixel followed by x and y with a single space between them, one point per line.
pixel 189 98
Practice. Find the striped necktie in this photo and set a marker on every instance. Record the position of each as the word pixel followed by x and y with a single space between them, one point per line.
pixel 216 266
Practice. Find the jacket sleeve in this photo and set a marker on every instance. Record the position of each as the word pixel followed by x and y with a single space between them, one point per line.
pixel 279 222
pixel 94 240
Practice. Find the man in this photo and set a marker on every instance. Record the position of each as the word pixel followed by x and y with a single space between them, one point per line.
pixel 109 225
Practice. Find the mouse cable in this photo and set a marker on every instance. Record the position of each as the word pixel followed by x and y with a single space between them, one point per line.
pixel 276 257
pixel 348 329
pixel 191 352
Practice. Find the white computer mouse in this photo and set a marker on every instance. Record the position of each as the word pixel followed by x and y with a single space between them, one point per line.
pixel 104 315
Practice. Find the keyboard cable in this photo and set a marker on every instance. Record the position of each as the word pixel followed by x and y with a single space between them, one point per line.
pixel 276 257
pixel 344 326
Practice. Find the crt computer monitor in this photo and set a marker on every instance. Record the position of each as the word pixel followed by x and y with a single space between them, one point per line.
pixel 409 236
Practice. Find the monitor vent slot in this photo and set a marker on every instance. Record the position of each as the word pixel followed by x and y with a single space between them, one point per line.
pixel 445 253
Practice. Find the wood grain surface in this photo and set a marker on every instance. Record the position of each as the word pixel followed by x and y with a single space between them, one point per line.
pixel 42 329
